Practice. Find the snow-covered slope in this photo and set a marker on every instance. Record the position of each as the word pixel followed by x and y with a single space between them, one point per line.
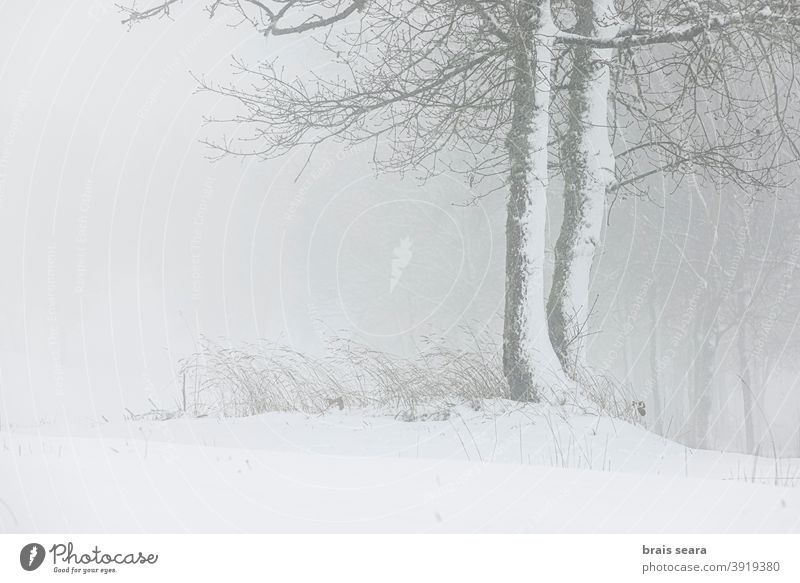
pixel 511 469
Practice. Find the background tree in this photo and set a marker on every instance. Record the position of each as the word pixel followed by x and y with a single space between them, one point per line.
pixel 679 88
pixel 706 299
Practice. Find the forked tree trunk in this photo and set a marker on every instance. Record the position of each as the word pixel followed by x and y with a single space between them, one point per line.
pixel 529 362
pixel 588 165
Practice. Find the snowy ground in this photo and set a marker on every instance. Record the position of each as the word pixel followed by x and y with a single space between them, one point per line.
pixel 511 470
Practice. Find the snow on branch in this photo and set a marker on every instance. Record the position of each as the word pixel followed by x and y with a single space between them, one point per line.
pixel 270 21
pixel 633 36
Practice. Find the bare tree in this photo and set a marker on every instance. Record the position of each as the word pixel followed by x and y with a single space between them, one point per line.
pixel 762 301
pixel 723 291
pixel 690 88
pixel 418 80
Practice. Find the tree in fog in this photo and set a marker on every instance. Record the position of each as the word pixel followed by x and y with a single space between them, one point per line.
pixel 434 85
pixel 741 257
pixel 678 88
pixel 706 304
pixel 473 86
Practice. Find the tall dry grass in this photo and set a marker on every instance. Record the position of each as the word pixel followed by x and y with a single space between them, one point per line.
pixel 255 379
pixel 224 381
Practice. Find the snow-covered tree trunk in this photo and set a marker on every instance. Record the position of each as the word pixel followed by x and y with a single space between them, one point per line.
pixel 588 165
pixel 529 361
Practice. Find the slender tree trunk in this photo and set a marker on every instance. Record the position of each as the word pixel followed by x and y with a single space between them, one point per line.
pixel 747 394
pixel 529 361
pixel 658 413
pixel 588 163
pixel 706 343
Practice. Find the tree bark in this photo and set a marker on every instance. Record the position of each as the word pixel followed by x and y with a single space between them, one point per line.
pixel 530 364
pixel 588 167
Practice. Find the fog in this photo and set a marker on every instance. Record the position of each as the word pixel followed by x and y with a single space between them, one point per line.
pixel 122 244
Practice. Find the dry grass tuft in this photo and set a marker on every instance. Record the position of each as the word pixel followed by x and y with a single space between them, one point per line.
pixel 256 379
pixel 222 381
